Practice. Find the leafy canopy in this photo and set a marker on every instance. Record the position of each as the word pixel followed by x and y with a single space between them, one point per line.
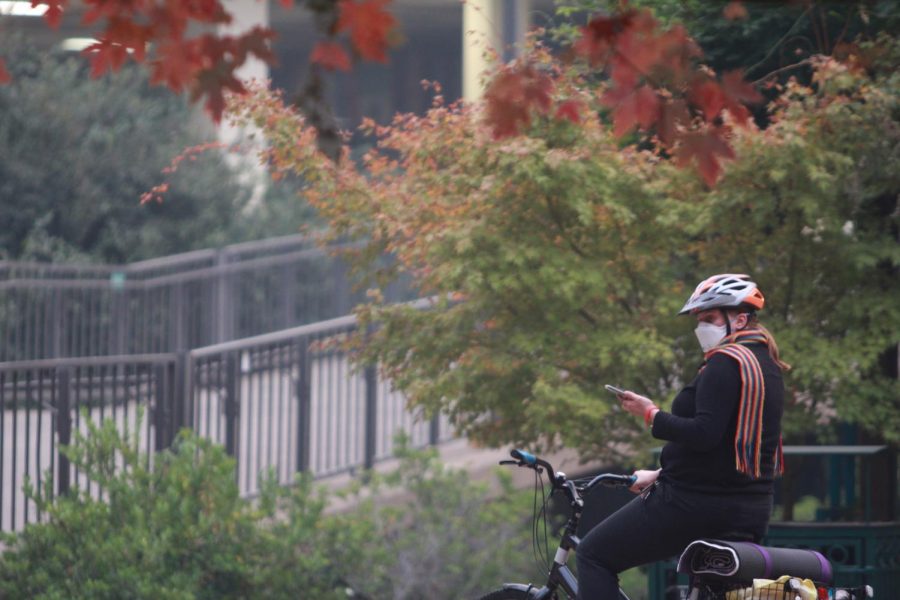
pixel 558 257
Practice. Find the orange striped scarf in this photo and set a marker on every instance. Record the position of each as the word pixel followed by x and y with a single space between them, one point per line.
pixel 748 435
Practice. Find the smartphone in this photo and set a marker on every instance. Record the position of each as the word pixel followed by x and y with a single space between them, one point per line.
pixel 614 390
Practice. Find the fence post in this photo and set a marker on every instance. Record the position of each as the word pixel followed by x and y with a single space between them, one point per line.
pixel 232 387
pixel 304 401
pixel 434 430
pixel 371 385
pixel 182 392
pixel 178 339
pixel 223 318
pixel 161 415
pixel 63 424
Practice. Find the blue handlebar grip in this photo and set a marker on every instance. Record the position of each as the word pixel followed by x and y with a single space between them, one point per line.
pixel 633 479
pixel 524 456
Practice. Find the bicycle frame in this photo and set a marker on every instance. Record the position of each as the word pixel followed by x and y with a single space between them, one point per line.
pixel 560 576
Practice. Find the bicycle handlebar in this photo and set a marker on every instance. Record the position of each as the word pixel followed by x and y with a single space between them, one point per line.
pixel 526 459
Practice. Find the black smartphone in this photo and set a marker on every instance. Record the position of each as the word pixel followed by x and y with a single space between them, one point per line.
pixel 613 389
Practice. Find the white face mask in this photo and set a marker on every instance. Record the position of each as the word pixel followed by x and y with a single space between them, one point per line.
pixel 709 335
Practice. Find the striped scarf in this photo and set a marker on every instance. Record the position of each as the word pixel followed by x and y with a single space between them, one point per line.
pixel 748 435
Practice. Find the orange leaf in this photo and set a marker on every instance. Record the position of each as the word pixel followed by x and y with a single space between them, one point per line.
pixel 369 25
pixel 5 77
pixel 331 56
pixel 735 11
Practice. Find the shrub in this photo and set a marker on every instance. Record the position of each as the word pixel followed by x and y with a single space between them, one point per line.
pixel 174 526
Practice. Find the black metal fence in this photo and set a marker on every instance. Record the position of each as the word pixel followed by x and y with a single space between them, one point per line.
pixel 287 401
pixel 170 304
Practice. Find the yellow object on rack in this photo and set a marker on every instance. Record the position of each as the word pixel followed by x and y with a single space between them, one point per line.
pixel 777 589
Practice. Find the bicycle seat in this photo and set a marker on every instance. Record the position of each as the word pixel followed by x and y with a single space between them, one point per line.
pixel 722 560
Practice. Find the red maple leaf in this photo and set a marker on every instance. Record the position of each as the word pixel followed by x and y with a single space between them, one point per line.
pixel 511 97
pixel 331 56
pixel 54 12
pixel 738 92
pixel 632 107
pixel 369 24
pixel 707 96
pixel 599 36
pixel 569 109
pixel 106 56
pixel 5 77
pixel 176 63
pixel 672 115
pixel 706 149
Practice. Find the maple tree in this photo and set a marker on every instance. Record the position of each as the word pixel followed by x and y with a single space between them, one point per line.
pixel 557 258
pixel 655 84
pixel 158 34
pixel 656 81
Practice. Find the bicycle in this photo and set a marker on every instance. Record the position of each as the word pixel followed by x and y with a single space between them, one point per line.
pixel 718 569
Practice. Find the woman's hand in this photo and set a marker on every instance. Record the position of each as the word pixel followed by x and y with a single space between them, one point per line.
pixel 635 404
pixel 644 478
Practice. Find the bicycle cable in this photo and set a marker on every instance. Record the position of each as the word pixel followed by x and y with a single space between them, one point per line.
pixel 541 551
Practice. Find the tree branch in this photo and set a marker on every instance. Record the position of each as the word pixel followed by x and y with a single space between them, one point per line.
pixel 802 63
pixel 779 42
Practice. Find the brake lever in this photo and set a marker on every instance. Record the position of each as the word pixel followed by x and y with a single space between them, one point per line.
pixel 509 462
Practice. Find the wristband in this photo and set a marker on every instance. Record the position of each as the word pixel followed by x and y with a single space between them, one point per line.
pixel 649 414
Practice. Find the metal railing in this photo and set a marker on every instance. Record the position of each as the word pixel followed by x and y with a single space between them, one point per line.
pixel 173 303
pixel 287 401
pixel 43 402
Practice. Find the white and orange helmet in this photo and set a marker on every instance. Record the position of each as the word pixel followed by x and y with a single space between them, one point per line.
pixel 728 290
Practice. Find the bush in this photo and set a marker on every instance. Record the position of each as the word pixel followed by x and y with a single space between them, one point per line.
pixel 177 528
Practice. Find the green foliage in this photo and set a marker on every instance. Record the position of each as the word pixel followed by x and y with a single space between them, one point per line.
pixel 444 540
pixel 811 209
pixel 558 259
pixel 77 154
pixel 178 529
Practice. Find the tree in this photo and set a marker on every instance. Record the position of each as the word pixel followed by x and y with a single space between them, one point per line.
pixel 557 258
pixel 657 81
pixel 80 200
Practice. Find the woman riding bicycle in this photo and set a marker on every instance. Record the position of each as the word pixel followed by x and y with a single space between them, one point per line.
pixel 723 450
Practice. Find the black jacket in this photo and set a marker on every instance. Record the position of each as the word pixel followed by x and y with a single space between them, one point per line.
pixel 700 429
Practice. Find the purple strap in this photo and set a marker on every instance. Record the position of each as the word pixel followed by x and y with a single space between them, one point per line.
pixel 826 566
pixel 766 557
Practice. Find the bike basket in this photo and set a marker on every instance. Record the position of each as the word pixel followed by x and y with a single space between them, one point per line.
pixel 785 588
pixel 702 590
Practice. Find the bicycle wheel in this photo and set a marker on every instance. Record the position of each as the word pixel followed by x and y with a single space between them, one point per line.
pixel 505 595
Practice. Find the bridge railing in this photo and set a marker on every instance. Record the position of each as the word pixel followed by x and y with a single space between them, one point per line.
pixel 172 303
pixel 289 401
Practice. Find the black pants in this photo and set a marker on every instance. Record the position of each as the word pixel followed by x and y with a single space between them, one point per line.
pixel 657 525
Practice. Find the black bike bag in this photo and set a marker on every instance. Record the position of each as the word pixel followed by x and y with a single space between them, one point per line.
pixel 744 561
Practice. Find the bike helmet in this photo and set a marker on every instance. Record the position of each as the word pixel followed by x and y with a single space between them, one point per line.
pixel 728 290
